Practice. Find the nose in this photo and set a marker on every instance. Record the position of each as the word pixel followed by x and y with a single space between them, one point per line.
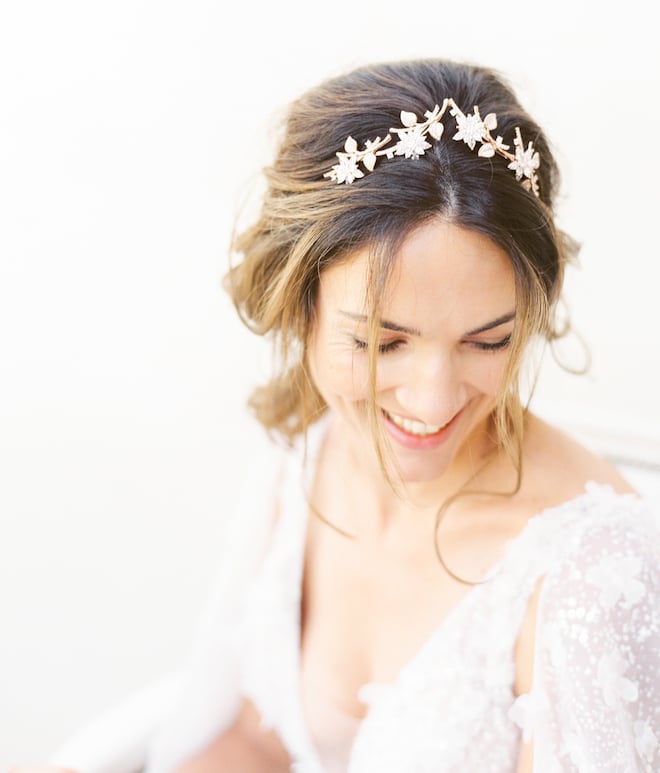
pixel 433 390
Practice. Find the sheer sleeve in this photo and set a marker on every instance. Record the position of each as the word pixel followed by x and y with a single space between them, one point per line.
pixel 595 701
pixel 209 696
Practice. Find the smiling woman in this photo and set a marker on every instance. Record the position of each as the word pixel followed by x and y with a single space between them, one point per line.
pixel 405 261
pixel 442 351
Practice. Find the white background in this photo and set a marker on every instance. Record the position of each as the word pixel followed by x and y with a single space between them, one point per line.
pixel 128 133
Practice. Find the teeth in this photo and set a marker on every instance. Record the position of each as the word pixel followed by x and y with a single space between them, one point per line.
pixel 414 427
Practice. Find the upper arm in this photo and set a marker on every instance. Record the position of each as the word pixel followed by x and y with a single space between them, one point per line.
pixel 594 697
pixel 525 762
pixel 210 696
pixel 524 660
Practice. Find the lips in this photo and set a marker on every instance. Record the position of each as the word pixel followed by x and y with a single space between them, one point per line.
pixel 415 435
pixel 413 427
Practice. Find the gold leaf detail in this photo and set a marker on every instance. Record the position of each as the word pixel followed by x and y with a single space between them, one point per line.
pixel 436 130
pixel 369 161
pixel 351 145
pixel 408 119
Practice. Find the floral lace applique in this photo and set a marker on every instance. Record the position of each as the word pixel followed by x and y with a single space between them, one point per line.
pixel 594 704
pixel 595 701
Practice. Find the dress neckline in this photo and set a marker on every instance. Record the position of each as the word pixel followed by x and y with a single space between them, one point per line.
pixel 369 692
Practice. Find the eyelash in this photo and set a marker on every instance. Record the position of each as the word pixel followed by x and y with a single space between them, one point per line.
pixel 382 349
pixel 495 346
pixel 393 345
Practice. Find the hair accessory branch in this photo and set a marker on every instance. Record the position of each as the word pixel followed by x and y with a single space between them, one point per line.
pixel 413 143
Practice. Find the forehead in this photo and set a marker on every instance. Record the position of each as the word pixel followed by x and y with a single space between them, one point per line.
pixel 442 273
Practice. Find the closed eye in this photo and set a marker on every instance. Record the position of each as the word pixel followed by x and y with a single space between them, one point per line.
pixel 492 347
pixel 390 346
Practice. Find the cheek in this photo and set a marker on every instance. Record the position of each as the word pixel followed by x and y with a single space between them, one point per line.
pixel 338 374
pixel 482 372
pixel 486 373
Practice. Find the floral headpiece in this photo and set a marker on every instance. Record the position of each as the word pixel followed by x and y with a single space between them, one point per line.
pixel 412 143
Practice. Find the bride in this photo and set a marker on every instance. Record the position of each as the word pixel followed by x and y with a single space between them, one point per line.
pixel 423 576
pixel 446 582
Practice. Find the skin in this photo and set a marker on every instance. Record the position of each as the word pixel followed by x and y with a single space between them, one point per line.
pixel 244 748
pixel 448 283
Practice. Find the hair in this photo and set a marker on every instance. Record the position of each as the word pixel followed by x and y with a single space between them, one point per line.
pixel 308 223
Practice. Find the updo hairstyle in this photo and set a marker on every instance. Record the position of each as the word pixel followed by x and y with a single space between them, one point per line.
pixel 308 223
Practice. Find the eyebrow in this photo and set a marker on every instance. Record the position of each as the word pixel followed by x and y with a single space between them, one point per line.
pixel 495 323
pixel 413 331
pixel 384 323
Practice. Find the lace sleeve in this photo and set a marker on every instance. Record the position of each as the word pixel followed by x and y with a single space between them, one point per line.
pixel 209 695
pixel 595 700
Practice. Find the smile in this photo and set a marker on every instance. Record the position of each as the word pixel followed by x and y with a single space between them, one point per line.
pixel 413 427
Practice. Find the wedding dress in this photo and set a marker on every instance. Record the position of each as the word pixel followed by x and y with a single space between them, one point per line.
pixel 594 706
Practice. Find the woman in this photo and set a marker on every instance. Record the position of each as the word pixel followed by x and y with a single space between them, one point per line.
pixel 452 584
pixel 455 585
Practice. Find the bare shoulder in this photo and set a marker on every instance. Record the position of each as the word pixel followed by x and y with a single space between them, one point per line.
pixel 555 461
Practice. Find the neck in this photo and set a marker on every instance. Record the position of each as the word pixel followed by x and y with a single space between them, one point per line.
pixel 362 498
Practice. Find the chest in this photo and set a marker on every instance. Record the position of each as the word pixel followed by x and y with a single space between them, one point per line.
pixel 368 612
pixel 351 652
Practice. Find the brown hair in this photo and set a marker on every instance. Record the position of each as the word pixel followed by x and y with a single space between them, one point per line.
pixel 308 222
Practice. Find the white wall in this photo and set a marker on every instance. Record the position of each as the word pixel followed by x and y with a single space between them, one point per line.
pixel 128 129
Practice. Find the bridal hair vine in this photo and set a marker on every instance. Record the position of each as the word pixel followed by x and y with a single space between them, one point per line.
pixel 412 143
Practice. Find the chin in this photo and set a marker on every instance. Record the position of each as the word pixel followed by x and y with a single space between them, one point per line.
pixel 416 470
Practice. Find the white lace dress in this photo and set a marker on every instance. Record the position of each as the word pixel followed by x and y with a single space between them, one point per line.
pixel 595 702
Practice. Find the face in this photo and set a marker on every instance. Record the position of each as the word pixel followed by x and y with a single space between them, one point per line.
pixel 447 320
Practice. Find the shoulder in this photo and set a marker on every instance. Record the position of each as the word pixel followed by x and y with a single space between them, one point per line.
pixel 600 580
pixel 590 538
pixel 595 646
pixel 610 549
pixel 605 521
pixel 561 480
pixel 600 552
pixel 557 467
pixel 264 461
pixel 589 644
pixel 275 475
pixel 253 481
